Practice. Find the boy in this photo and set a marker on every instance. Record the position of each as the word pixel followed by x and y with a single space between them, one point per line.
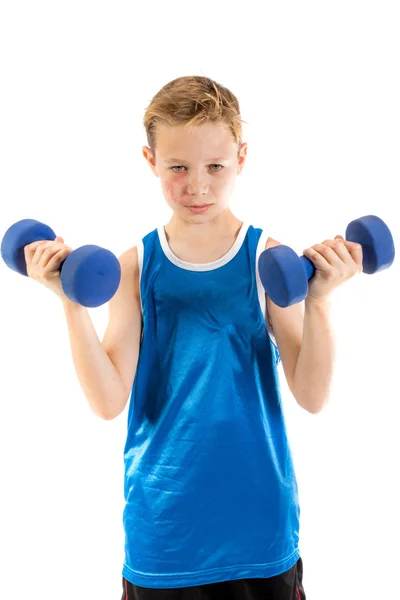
pixel 212 506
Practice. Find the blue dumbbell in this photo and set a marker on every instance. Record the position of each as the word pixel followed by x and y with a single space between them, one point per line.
pixel 90 275
pixel 285 275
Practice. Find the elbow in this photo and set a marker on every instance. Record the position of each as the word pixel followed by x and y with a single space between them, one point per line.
pixel 311 400
pixel 312 405
pixel 307 402
pixel 103 415
pixel 109 416
pixel 113 415
pixel 109 411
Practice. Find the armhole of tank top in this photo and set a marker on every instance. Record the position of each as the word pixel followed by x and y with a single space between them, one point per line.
pixel 140 251
pixel 260 289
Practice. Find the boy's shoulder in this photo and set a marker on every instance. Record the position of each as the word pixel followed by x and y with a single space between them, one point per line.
pixel 270 243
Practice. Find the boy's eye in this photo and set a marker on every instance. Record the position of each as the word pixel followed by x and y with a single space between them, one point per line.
pixel 183 167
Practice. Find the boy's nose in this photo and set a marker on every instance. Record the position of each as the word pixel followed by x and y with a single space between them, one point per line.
pixel 197 186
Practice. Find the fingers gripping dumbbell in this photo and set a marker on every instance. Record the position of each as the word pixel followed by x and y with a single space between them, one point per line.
pixel 90 275
pixel 285 275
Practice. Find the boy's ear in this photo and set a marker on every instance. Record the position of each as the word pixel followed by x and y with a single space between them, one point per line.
pixel 242 156
pixel 147 153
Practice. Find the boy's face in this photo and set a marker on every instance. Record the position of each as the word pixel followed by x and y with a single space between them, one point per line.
pixel 196 166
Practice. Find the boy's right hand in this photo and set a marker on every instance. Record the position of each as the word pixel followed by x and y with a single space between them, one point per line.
pixel 43 260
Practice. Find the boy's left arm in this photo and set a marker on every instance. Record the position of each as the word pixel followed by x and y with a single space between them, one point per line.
pixel 303 331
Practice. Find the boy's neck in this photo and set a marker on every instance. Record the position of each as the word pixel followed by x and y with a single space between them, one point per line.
pixel 201 233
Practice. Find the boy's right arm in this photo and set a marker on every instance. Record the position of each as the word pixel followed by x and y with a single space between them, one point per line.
pixel 106 370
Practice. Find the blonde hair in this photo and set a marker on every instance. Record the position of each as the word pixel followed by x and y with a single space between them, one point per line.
pixel 190 101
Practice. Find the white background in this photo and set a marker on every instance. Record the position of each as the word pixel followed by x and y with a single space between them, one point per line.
pixel 318 83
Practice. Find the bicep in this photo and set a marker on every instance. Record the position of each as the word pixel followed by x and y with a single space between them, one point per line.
pixel 122 338
pixel 287 326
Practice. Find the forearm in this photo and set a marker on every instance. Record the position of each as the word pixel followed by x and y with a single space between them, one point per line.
pixel 314 367
pixel 98 377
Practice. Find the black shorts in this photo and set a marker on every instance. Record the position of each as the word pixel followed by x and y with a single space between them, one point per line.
pixel 286 586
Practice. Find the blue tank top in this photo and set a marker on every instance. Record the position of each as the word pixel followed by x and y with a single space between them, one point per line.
pixel 210 489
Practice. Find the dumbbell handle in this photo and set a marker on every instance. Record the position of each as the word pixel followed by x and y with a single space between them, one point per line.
pixel 309 266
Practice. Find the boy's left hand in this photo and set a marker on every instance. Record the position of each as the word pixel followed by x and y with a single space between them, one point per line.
pixel 335 262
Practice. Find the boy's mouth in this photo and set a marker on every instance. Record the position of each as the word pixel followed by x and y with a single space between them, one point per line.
pixel 199 208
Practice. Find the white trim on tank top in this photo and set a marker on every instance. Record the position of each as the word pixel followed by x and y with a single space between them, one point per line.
pixel 215 264
pixel 140 251
pixel 260 288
